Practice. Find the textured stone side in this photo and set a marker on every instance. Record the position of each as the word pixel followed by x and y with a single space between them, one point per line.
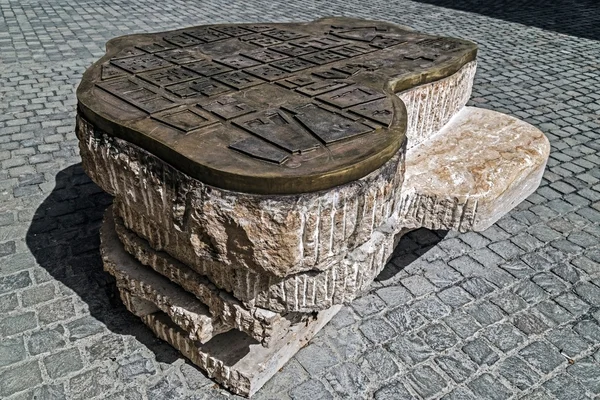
pixel 481 165
pixel 304 292
pixel 142 283
pixel 258 323
pixel 277 235
pixel 233 359
pixel 429 107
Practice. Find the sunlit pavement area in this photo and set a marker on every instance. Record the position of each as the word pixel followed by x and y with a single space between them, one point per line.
pixel 511 312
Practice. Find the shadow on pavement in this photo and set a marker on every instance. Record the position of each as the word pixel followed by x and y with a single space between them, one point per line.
pixel 64 237
pixel 411 246
pixel 579 18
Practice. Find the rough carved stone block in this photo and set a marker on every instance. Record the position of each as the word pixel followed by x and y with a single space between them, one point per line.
pixel 263 174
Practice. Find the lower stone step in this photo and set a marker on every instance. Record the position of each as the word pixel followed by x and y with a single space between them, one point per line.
pixel 190 299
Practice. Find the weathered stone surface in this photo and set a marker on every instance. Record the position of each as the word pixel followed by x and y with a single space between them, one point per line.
pixel 235 360
pixel 145 292
pixel 477 168
pixel 133 279
pixel 429 107
pixel 304 292
pixel 277 235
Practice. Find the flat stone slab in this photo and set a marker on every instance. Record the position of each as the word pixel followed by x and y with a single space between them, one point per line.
pixel 235 360
pixel 269 108
pixel 473 171
pixel 150 281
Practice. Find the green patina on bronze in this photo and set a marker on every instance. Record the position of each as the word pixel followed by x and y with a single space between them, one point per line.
pixel 270 108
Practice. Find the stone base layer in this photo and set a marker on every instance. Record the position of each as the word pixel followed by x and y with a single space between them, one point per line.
pixel 188 298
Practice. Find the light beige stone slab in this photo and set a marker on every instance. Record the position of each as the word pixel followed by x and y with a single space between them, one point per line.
pixel 235 360
pixel 176 289
pixel 278 235
pixel 476 169
pixel 133 278
pixel 429 107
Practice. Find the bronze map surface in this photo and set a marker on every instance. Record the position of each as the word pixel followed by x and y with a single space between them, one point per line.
pixel 270 108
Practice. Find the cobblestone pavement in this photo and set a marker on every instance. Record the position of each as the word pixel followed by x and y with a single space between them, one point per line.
pixel 512 312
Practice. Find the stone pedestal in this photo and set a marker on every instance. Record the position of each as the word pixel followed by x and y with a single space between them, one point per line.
pixel 263 174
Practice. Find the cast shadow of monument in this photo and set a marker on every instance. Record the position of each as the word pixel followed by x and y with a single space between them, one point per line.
pixel 411 247
pixel 579 18
pixel 64 237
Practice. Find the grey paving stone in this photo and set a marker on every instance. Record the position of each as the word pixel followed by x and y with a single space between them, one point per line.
pixel 518 373
pixel 572 303
pixel 438 336
pixel 426 381
pixel 57 310
pixel 589 330
pixel 393 391
pixel 565 387
pixel 348 380
pixel 195 379
pixel 19 378
pixel 90 383
pixel 487 387
pixel 485 313
pixel 530 292
pixel 46 340
pixel 368 305
pixel 84 327
pixel 8 302
pixel 14 282
pixel 377 330
pixel 553 312
pixel 459 394
pixel 133 366
pixel 379 365
pixel 168 387
pixel 504 336
pixel 405 319
pixel 454 296
pixel 18 323
pixel 568 342
pixel 37 294
pixel 418 285
pixel 529 323
pixel 480 352
pixel 63 363
pixel 549 282
pixel 432 308
pixel 348 343
pixel 478 286
pixel 49 392
pixel 587 371
pixel 316 358
pixel 588 292
pixel 105 347
pixel 312 389
pixel 394 295
pixel 537 394
pixel 509 302
pixel 410 349
pixel 542 356
pixel 11 351
pixel 463 324
pixel 456 366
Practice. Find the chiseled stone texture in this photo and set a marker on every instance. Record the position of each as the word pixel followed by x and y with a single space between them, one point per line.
pixel 429 107
pixel 471 173
pixel 135 279
pixel 522 71
pixel 303 292
pixel 235 360
pixel 276 235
